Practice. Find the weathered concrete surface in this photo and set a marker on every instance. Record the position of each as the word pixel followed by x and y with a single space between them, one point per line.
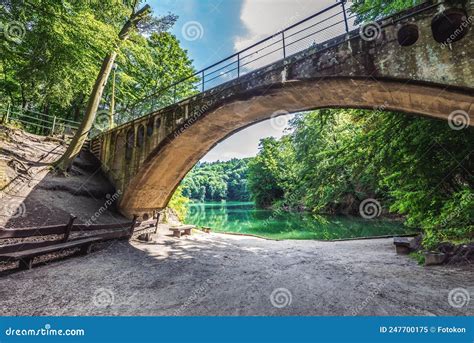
pixel 214 274
pixel 427 78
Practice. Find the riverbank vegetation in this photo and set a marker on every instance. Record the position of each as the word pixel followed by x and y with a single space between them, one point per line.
pixel 218 181
pixel 413 167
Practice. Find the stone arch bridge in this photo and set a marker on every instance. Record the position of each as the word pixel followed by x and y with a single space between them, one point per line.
pixel 419 61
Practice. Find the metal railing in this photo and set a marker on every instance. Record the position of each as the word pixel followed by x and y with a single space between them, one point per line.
pixel 316 30
pixel 322 26
pixel 37 122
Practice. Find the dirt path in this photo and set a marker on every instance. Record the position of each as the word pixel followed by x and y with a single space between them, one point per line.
pixel 214 274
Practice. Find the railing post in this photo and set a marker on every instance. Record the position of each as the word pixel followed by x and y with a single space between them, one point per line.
pixel 68 229
pixel 132 227
pixel 284 46
pixel 54 126
pixel 343 4
pixel 7 115
pixel 238 65
pixel 202 77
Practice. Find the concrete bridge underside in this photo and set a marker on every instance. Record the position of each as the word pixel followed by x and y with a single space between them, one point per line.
pixel 148 157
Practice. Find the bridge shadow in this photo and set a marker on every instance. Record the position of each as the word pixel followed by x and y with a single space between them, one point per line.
pixel 37 196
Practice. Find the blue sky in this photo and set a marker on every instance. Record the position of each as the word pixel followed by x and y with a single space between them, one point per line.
pixel 211 30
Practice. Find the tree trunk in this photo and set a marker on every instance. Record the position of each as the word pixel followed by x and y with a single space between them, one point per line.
pixel 65 162
pixel 74 148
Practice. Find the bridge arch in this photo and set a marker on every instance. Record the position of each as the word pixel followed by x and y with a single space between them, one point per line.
pixel 165 166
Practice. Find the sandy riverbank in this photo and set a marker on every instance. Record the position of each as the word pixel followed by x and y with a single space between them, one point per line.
pixel 215 274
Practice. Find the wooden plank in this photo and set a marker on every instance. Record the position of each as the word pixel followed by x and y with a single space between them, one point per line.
pixel 25 246
pixel 183 227
pixel 113 235
pixel 32 232
pixel 133 226
pixel 8 249
pixel 84 227
pixel 26 264
pixel 67 232
pixel 401 241
pixel 15 251
pixel 24 254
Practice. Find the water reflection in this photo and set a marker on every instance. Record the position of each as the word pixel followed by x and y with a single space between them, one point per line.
pixel 245 218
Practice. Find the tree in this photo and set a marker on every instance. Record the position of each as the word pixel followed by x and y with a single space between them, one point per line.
pixel 218 181
pixel 75 146
pixel 265 174
pixel 368 10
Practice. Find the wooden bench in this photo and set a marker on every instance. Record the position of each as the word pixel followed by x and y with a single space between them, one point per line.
pixel 182 230
pixel 402 245
pixel 25 252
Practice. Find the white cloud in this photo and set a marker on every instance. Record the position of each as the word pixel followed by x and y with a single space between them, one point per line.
pixel 262 18
pixel 245 143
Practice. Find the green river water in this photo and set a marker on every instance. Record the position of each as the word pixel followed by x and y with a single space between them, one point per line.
pixel 244 218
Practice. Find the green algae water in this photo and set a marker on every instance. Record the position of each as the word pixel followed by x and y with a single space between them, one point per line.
pixel 245 218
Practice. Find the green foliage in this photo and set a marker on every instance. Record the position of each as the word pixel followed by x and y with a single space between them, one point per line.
pixel 54 65
pixel 369 10
pixel 270 172
pixel 333 159
pixel 218 181
pixel 418 257
pixel 178 204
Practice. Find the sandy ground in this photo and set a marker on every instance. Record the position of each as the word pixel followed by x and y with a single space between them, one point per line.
pixel 216 274
pixel 205 274
pixel 32 195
